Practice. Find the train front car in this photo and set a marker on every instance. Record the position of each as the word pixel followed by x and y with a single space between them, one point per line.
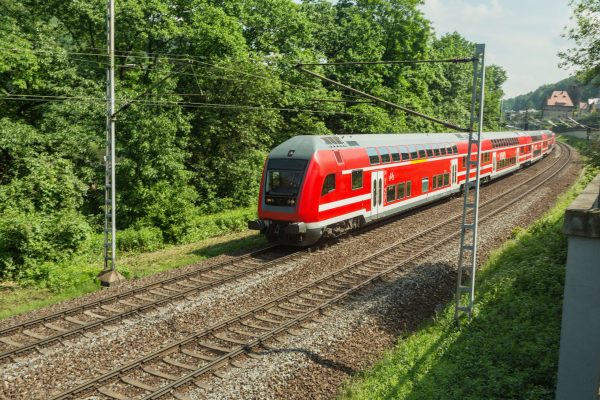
pixel 284 205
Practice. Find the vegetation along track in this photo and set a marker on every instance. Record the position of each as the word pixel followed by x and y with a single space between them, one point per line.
pixel 169 370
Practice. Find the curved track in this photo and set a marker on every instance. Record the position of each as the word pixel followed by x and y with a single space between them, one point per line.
pixel 170 369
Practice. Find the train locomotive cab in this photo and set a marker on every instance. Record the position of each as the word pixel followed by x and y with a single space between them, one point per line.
pixel 286 185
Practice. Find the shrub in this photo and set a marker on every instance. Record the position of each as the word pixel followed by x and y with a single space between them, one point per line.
pixel 140 239
pixel 207 226
pixel 29 238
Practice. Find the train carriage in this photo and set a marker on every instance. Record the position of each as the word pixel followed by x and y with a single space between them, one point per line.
pixel 315 186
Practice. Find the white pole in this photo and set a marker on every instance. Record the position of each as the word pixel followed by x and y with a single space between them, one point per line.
pixel 111 51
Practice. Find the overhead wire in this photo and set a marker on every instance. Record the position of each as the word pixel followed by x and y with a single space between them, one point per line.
pixel 186 58
pixel 192 61
pixel 42 98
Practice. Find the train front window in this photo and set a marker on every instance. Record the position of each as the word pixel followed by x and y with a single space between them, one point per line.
pixel 284 177
pixel 284 182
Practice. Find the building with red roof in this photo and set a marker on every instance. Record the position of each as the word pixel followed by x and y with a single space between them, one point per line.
pixel 558 105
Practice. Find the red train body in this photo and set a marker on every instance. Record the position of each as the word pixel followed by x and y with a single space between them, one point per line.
pixel 322 186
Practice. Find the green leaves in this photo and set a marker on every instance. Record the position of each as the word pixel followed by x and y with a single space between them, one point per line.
pixel 585 56
pixel 212 88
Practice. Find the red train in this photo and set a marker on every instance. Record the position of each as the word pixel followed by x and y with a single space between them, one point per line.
pixel 321 186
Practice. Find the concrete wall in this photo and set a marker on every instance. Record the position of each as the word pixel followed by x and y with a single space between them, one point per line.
pixel 579 357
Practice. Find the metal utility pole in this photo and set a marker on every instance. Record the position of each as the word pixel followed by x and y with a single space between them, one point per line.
pixel 467 259
pixel 109 276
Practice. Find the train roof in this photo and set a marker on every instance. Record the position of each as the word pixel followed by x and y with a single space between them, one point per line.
pixel 305 146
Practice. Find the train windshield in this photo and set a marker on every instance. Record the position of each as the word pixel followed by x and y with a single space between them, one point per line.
pixel 284 176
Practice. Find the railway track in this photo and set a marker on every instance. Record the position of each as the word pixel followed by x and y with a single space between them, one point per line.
pixel 172 368
pixel 44 331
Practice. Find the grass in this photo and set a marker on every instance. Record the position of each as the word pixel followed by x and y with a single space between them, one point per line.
pixel 509 350
pixel 78 275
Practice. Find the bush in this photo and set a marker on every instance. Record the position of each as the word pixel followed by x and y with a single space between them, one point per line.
pixel 207 226
pixel 28 239
pixel 140 239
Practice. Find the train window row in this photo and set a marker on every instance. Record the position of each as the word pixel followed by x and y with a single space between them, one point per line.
pixel 536 138
pixel 506 162
pixel 485 158
pixel 398 191
pixel 383 154
pixel 504 142
pixel 441 180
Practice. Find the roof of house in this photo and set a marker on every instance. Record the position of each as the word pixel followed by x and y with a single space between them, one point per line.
pixel 559 98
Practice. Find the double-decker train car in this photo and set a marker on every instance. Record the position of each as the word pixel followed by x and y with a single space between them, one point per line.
pixel 315 186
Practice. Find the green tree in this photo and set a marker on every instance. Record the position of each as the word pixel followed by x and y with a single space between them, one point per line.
pixel 585 55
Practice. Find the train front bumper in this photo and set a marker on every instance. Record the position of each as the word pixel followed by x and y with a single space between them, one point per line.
pixel 291 233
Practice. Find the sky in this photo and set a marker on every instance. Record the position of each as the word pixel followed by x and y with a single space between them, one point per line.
pixel 522 36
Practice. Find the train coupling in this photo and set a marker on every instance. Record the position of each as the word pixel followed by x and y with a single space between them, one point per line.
pixel 257 225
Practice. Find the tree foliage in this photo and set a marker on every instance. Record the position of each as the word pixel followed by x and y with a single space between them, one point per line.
pixel 585 55
pixel 210 88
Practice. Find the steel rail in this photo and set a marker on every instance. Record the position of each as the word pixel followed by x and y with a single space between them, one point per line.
pixel 313 309
pixel 16 329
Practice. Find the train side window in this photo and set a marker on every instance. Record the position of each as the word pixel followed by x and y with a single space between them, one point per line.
pixel 391 193
pixel 442 150
pixel 455 149
pixel 440 179
pixel 413 152
pixel 446 179
pixel 373 156
pixel 405 153
pixel 400 190
pixel 357 179
pixel 434 182
pixel 385 154
pixel 395 154
pixel 328 185
pixel 436 150
pixel 425 185
pixel 408 186
pixel 429 150
pixel 421 151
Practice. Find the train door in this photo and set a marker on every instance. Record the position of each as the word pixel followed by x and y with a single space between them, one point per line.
pixel 518 159
pixel 454 170
pixel 376 192
pixel 493 162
